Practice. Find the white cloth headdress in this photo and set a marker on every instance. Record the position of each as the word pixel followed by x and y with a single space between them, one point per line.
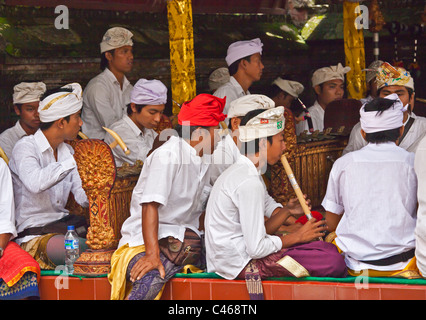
pixel 392 118
pixel 116 37
pixel 26 92
pixel 61 104
pixel 266 124
pixel 388 75
pixel 293 88
pixel 241 49
pixel 329 73
pixel 241 106
pixel 149 92
pixel 218 77
pixel 371 71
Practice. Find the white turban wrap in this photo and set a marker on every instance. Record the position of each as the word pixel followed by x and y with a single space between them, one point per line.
pixel 392 118
pixel 218 77
pixel 241 106
pixel 149 92
pixel 329 73
pixel 266 124
pixel 241 49
pixel 116 37
pixel 387 75
pixel 26 92
pixel 61 104
pixel 293 88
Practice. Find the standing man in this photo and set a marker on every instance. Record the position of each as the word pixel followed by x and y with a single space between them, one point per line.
pixel 26 98
pixel 399 81
pixel 44 173
pixel 136 128
pixel 328 83
pixel 244 59
pixel 164 206
pixel 106 96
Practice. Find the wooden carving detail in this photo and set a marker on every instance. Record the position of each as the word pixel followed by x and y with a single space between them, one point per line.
pixel 97 170
pixel 279 186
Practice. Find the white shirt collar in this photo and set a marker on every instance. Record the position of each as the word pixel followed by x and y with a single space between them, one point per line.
pixel 236 84
pixel 132 125
pixel 108 73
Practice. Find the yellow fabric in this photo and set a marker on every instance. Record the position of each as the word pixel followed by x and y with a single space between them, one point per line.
pixel 36 247
pixel 409 272
pixel 117 278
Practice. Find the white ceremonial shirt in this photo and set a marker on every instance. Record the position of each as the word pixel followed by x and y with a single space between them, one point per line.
pixel 9 137
pixel 317 116
pixel 138 142
pixel 173 176
pixel 376 189
pixel 409 143
pixel 41 184
pixel 104 102
pixel 225 155
pixel 420 167
pixel 234 224
pixel 232 90
pixel 7 204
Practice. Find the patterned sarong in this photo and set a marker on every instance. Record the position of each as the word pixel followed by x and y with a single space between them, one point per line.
pixel 19 273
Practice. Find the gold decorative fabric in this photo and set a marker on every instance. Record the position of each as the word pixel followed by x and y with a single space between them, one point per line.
pixel 182 60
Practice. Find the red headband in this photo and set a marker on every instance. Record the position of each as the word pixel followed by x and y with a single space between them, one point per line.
pixel 204 110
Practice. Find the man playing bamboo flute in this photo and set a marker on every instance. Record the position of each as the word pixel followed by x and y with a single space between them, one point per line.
pixel 239 244
pixel 164 206
pixel 371 197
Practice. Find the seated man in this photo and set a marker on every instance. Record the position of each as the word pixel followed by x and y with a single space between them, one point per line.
pixel 26 98
pixel 420 168
pixel 371 197
pixel 44 173
pixel 164 206
pixel 328 83
pixel 19 272
pixel 370 79
pixel 147 103
pixel 402 84
pixel 237 238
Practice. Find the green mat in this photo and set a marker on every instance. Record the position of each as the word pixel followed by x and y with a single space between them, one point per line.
pixel 212 275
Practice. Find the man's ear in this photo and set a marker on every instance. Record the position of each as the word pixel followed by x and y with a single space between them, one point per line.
pixel 133 107
pixel 108 56
pixel 17 111
pixel 60 123
pixel 317 90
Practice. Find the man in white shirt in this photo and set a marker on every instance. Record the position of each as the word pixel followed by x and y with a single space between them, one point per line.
pixel 401 83
pixel 237 235
pixel 44 173
pixel 328 83
pixel 165 202
pixel 245 67
pixel 136 128
pixel 26 98
pixel 371 197
pixel 106 96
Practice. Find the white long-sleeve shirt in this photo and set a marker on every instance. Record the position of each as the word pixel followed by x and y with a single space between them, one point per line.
pixel 173 176
pixel 232 90
pixel 376 189
pixel 10 137
pixel 41 184
pixel 138 142
pixel 234 224
pixel 7 204
pixel 104 102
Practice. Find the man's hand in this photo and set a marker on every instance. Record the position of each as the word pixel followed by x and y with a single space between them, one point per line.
pixel 295 208
pixel 146 264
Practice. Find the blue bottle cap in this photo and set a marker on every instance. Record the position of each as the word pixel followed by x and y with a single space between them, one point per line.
pixel 70 228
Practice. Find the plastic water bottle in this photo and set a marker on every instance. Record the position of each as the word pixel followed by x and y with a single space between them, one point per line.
pixel 71 249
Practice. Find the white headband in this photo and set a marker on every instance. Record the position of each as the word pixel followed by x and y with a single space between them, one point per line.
pixel 392 118
pixel 293 88
pixel 266 124
pixel 329 73
pixel 116 37
pixel 241 106
pixel 149 92
pixel 241 49
pixel 26 92
pixel 61 104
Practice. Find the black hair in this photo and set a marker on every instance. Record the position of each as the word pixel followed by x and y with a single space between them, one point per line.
pixel 380 105
pixel 179 129
pixel 104 60
pixel 273 90
pixel 139 108
pixel 233 68
pixel 252 147
pixel 409 90
pixel 47 125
